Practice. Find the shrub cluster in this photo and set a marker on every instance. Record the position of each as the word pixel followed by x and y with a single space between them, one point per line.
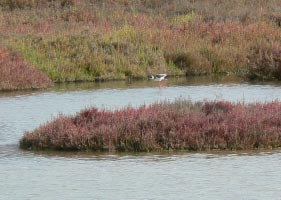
pixel 181 125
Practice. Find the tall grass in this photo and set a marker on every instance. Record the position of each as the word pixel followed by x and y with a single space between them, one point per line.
pixel 181 125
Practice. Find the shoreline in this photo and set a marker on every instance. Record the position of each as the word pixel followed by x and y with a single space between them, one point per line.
pixel 214 152
pixel 102 80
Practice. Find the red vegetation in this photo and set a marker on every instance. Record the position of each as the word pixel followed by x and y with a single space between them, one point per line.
pixel 163 126
pixel 16 74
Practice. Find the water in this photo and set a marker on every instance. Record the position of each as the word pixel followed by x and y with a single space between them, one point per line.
pixel 53 175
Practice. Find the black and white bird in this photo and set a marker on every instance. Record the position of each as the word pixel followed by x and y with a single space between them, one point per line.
pixel 158 77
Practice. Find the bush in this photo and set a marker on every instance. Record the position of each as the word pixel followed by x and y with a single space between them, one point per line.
pixel 265 61
pixel 275 18
pixel 16 74
pixel 22 4
pixel 182 60
pixel 67 3
pixel 163 126
pixel 188 62
pixel 15 4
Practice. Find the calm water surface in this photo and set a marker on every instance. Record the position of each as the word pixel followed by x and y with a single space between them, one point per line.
pixel 232 175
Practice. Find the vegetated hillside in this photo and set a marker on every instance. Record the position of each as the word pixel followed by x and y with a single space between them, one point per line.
pixel 181 125
pixel 72 40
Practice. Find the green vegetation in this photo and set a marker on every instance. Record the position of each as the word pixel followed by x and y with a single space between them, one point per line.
pixel 74 40
pixel 87 57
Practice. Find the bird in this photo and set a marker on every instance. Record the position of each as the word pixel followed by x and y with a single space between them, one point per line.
pixel 158 77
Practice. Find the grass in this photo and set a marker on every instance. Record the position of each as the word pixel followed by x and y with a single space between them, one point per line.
pixel 181 125
pixel 72 40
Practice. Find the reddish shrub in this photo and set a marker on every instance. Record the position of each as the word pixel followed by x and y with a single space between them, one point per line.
pixel 16 74
pixel 164 126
